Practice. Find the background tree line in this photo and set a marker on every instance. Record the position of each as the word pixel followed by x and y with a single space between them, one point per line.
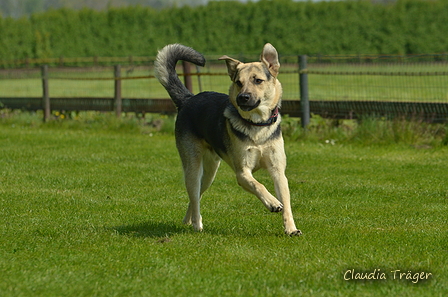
pixel 18 8
pixel 343 27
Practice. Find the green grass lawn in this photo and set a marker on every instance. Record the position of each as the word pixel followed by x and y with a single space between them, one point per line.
pixel 98 212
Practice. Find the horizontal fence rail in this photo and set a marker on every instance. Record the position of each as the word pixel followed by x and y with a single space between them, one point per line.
pixel 332 89
pixel 75 61
pixel 94 104
pixel 427 73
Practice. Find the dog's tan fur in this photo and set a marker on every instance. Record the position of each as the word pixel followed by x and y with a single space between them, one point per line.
pixel 246 142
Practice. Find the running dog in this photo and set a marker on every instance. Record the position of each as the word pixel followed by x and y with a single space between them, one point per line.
pixel 242 128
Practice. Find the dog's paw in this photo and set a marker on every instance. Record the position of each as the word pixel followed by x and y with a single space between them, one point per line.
pixel 187 221
pixel 198 228
pixel 197 223
pixel 277 208
pixel 294 233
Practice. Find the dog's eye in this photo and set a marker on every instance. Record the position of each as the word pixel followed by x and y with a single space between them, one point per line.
pixel 239 83
pixel 258 81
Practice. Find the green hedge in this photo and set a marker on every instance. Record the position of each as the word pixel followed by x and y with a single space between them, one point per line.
pixel 344 27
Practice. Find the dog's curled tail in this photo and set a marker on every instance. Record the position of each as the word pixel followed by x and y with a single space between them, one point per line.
pixel 165 68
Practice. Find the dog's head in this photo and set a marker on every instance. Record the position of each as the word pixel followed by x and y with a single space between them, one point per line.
pixel 255 89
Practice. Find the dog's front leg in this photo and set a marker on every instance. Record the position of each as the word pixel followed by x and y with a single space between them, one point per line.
pixel 249 183
pixel 275 163
pixel 282 191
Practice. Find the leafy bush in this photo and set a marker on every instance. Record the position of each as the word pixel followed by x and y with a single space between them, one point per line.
pixel 342 27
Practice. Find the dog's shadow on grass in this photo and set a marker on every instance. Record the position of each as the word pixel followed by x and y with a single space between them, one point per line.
pixel 150 229
pixel 162 231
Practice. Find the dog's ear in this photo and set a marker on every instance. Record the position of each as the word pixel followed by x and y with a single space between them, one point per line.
pixel 231 65
pixel 269 57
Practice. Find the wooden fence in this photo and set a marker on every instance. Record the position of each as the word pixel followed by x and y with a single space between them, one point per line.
pixel 303 108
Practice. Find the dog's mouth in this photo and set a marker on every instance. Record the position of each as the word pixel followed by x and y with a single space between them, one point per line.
pixel 249 107
pixel 246 102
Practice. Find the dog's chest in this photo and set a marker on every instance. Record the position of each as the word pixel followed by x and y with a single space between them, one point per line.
pixel 252 135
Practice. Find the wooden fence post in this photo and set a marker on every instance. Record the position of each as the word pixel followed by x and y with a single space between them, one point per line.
pixel 304 99
pixel 117 96
pixel 45 93
pixel 187 77
pixel 198 70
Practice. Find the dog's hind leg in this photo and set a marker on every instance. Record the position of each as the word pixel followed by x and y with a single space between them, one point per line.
pixel 191 151
pixel 192 176
pixel 210 163
pixel 205 173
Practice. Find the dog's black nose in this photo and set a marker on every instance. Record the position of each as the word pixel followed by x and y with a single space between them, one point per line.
pixel 243 98
pixel 246 101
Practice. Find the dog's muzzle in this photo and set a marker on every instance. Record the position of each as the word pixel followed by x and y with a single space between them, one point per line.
pixel 246 102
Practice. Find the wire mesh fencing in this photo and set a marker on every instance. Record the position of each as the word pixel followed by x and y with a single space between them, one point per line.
pixel 332 81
